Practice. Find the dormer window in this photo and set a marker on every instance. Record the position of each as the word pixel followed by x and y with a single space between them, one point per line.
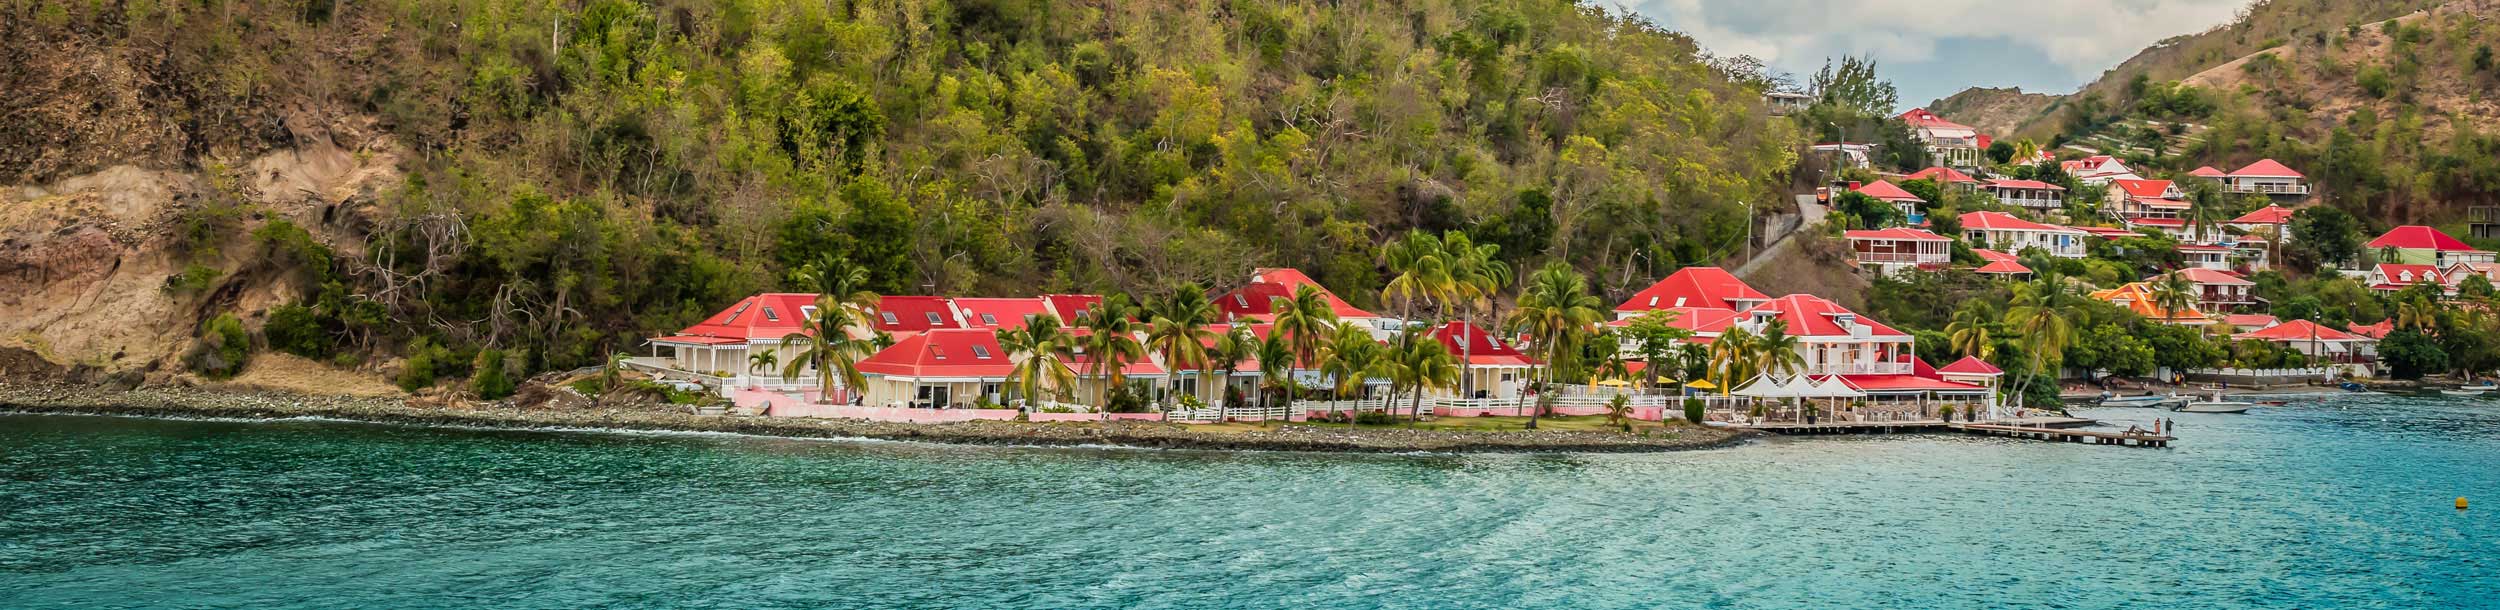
pixel 1846 319
pixel 807 312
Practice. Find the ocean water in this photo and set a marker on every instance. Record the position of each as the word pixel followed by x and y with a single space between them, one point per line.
pixel 2345 503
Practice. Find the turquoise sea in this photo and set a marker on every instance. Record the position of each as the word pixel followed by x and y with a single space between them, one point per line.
pixel 2345 503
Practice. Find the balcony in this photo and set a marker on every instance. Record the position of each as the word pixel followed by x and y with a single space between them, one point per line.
pixel 2267 188
pixel 1919 258
pixel 1859 368
pixel 2036 203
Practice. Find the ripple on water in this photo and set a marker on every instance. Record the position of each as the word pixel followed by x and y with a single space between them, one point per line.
pixel 2335 504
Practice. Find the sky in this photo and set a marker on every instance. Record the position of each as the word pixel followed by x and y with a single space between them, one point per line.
pixel 1933 48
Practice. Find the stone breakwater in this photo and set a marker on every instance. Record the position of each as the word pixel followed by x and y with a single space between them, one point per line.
pixel 193 402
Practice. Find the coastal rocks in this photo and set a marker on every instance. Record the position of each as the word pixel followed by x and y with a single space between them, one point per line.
pixel 55 398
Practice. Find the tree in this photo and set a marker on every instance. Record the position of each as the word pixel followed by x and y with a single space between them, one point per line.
pixel 1235 346
pixel 2410 353
pixel 1420 272
pixel 1775 351
pixel 762 361
pixel 1852 83
pixel 1869 212
pixel 1422 366
pixel 1111 344
pixel 1655 337
pixel 1731 357
pixel 825 344
pixel 1349 358
pixel 2474 286
pixel 1303 322
pixel 1555 310
pixel 493 380
pixel 1042 351
pixel 2174 294
pixel 1276 365
pixel 223 349
pixel 2046 331
pixel 1179 332
pixel 1969 334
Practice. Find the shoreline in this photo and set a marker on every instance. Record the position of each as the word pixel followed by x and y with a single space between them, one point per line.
pixel 271 406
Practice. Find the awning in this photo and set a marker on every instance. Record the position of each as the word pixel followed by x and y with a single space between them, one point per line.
pixel 696 340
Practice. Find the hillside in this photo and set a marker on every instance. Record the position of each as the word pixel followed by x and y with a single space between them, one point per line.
pixel 562 179
pixel 2263 24
pixel 1994 110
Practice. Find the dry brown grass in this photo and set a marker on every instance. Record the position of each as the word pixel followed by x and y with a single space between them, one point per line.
pixel 287 373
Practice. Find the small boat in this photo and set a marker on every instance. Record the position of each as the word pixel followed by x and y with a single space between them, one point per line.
pixel 2215 405
pixel 2463 393
pixel 2147 400
pixel 2485 386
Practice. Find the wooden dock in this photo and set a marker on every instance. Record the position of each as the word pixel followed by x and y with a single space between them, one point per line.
pixel 2122 439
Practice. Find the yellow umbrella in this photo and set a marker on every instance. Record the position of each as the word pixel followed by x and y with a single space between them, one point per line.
pixel 1614 383
pixel 1701 384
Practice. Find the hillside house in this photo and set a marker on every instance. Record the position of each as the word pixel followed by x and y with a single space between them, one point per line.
pixel 1897 250
pixel 2421 245
pixel 2005 233
pixel 2266 177
pixel 2027 194
pixel 1703 287
pixel 1948 143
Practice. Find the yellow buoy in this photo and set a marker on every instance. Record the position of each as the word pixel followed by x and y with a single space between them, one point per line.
pixel 2460 502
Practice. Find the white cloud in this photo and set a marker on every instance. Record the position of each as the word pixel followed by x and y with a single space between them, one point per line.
pixel 2080 38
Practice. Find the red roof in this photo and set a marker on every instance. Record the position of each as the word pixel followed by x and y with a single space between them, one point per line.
pixel 2265 168
pixel 2002 268
pixel 769 316
pixel 2374 331
pixel 1069 306
pixel 1886 191
pixel 1701 320
pixel 2201 275
pixel 1256 298
pixel 2000 221
pixel 1921 117
pixel 2202 248
pixel 1896 234
pixel 2269 215
pixel 2418 237
pixel 2296 330
pixel 1000 313
pixel 1478 347
pixel 2107 232
pixel 2392 276
pixel 1994 256
pixel 696 340
pixel 1971 365
pixel 1905 383
pixel 951 353
pixel 1694 287
pixel 2158 222
pixel 911 314
pixel 2206 172
pixel 2249 319
pixel 2148 189
pixel 2022 184
pixel 1943 175
pixel 1812 316
pixel 2163 203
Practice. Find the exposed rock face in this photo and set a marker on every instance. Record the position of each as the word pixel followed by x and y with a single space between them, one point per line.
pixel 2000 112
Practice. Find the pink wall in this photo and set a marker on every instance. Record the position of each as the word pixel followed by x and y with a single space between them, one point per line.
pixel 887 414
pixel 1048 417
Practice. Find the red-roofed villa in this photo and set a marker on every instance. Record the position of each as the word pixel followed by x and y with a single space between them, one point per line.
pixel 1709 287
pixel 2028 194
pixel 2266 177
pixel 1897 250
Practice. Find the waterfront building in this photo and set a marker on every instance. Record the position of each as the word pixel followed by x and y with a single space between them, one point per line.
pixel 904 316
pixel 2317 341
pixel 1494 368
pixel 952 368
pixel 1700 287
pixel 2138 297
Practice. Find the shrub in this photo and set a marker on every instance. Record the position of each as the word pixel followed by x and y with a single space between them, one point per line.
pixel 491 380
pixel 2375 81
pixel 194 279
pixel 1374 418
pixel 224 347
pixel 296 329
pixel 1693 410
pixel 1126 399
pixel 421 368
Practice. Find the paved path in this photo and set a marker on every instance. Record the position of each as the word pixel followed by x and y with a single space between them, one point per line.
pixel 1812 216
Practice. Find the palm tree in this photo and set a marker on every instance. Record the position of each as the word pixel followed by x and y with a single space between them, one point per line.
pixel 1303 322
pixel 1606 351
pixel 1968 334
pixel 1349 358
pixel 825 343
pixel 2045 332
pixel 844 283
pixel 1042 350
pixel 762 361
pixel 1111 344
pixel 1775 351
pixel 1235 345
pixel 1276 367
pixel 1421 271
pixel 613 374
pixel 2174 293
pixel 1731 356
pixel 1179 331
pixel 1421 366
pixel 1556 309
pixel 1477 274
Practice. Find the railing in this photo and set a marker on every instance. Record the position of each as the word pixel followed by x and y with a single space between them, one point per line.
pixel 1903 257
pixel 2268 188
pixel 2315 371
pixel 2032 202
pixel 656 365
pixel 1860 368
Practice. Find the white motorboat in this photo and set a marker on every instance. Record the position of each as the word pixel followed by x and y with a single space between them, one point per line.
pixel 2147 400
pixel 2463 392
pixel 2214 405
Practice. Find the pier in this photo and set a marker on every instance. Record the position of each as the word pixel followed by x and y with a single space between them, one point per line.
pixel 2122 439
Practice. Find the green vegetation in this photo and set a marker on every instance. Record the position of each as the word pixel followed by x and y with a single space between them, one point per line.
pixel 583 175
pixel 223 349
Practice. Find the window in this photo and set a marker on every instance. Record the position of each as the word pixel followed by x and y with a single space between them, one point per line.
pixel 933 318
pixel 770 316
pixel 981 352
pixel 742 310
pixel 889 318
pixel 807 312
pixel 1237 299
pixel 937 352
pixel 989 320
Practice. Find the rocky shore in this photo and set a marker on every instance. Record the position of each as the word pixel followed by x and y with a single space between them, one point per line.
pixel 197 402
